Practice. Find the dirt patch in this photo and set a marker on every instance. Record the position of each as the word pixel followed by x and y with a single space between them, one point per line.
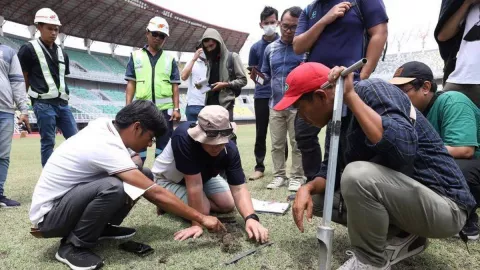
pixel 163 260
pixel 230 241
pixel 3 254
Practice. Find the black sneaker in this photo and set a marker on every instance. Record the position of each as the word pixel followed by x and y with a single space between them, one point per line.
pixel 471 228
pixel 7 203
pixel 116 232
pixel 78 258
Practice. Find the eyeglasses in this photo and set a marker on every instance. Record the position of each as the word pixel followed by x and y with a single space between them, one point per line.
pixel 158 35
pixel 286 27
pixel 406 90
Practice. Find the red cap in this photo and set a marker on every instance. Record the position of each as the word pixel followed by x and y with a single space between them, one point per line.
pixel 305 78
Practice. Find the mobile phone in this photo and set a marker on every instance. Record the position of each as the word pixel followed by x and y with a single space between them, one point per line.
pixel 140 249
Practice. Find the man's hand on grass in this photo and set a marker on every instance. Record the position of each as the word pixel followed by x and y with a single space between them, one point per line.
pixel 256 231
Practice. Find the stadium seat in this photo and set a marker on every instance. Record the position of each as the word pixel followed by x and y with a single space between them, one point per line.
pixel 86 60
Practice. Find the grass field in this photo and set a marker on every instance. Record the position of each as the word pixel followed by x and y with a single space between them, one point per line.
pixel 291 249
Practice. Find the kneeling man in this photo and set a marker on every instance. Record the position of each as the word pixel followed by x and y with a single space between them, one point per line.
pixel 393 169
pixel 191 164
pixel 90 182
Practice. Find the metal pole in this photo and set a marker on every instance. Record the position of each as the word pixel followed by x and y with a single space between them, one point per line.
pixel 324 230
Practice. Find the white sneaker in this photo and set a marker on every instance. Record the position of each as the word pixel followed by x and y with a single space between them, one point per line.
pixel 294 185
pixel 354 264
pixel 277 182
pixel 400 248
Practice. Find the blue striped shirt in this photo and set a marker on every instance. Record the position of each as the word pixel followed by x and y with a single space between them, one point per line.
pixel 279 59
pixel 414 149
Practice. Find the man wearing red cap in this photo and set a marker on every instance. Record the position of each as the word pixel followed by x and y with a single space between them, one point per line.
pixel 387 150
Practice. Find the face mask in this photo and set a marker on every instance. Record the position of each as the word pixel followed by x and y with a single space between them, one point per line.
pixel 269 30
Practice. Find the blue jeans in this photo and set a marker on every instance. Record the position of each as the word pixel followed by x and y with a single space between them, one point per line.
pixel 161 142
pixel 192 112
pixel 49 117
pixel 6 132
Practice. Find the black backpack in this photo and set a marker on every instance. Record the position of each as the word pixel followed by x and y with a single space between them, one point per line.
pixel 366 37
pixel 231 74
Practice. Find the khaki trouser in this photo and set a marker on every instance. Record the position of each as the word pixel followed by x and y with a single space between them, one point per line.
pixel 377 197
pixel 280 123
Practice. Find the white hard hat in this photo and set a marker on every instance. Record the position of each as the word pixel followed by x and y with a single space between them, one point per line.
pixel 46 15
pixel 158 24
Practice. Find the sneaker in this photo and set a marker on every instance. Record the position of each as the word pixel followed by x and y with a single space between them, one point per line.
pixel 404 246
pixel 7 203
pixel 256 175
pixel 471 228
pixel 354 264
pixel 78 258
pixel 277 182
pixel 116 232
pixel 294 185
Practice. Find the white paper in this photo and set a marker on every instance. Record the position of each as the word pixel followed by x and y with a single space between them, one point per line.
pixel 270 206
pixel 204 86
pixel 132 191
pixel 260 80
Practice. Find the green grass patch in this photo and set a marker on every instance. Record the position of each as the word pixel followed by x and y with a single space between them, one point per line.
pixel 291 249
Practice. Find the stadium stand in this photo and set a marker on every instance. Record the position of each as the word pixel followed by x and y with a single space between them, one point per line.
pixel 97 85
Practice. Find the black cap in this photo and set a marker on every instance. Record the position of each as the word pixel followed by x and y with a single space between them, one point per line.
pixel 411 71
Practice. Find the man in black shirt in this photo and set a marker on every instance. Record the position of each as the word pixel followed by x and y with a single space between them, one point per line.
pixel 44 66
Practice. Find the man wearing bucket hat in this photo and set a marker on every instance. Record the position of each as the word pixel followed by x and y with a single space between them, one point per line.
pixel 152 74
pixel 191 164
pixel 387 149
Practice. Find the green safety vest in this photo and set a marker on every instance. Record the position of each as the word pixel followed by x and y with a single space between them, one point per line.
pixel 53 90
pixel 153 84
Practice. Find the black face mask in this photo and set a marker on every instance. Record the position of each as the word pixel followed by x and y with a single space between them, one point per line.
pixel 212 55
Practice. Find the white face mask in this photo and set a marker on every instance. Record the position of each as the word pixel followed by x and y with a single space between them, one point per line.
pixel 269 30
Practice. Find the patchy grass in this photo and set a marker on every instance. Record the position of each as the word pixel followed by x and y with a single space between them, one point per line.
pixel 291 249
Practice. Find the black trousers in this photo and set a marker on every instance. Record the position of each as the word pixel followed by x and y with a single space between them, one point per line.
pixel 306 136
pixel 262 116
pixel 82 214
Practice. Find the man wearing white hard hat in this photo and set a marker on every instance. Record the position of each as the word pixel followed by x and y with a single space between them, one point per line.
pixel 44 66
pixel 152 74
pixel 191 165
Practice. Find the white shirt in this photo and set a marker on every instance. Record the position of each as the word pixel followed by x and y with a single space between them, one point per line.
pixel 467 70
pixel 164 168
pixel 199 73
pixel 95 152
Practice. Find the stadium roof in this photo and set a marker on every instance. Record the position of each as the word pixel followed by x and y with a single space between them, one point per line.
pixel 119 21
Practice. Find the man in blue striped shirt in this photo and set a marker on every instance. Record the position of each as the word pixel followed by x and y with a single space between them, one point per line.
pixel 393 171
pixel 279 59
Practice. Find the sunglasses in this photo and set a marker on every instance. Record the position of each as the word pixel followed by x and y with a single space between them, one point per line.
pixel 219 132
pixel 158 35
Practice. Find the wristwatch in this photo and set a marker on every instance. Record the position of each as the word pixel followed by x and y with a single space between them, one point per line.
pixel 177 110
pixel 252 216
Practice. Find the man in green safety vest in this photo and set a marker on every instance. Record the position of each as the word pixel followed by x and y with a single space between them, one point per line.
pixel 44 66
pixel 153 75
